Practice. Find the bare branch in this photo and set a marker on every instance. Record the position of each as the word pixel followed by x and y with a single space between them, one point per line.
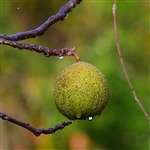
pixel 122 62
pixel 39 49
pixel 10 40
pixel 62 13
pixel 35 131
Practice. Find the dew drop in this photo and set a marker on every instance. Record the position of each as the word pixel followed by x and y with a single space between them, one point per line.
pixel 60 57
pixel 90 118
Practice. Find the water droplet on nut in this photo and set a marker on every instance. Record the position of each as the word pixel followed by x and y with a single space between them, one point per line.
pixel 60 57
pixel 90 118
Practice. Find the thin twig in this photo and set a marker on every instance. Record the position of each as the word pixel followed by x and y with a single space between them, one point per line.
pixel 62 13
pixel 35 131
pixel 39 49
pixel 122 62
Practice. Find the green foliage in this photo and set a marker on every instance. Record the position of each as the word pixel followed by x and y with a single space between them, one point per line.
pixel 27 78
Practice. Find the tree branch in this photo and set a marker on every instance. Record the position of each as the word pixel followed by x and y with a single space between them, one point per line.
pixel 10 40
pixel 122 62
pixel 62 13
pixel 39 49
pixel 35 131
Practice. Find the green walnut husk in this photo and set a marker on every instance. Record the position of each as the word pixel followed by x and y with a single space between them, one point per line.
pixel 81 91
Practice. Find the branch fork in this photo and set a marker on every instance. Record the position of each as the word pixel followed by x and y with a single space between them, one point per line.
pixel 10 40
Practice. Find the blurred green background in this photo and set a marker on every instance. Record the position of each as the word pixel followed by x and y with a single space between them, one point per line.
pixel 27 78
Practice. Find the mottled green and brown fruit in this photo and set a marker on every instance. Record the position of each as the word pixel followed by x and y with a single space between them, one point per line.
pixel 81 91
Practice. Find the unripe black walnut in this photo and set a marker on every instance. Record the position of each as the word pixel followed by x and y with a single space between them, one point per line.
pixel 81 91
